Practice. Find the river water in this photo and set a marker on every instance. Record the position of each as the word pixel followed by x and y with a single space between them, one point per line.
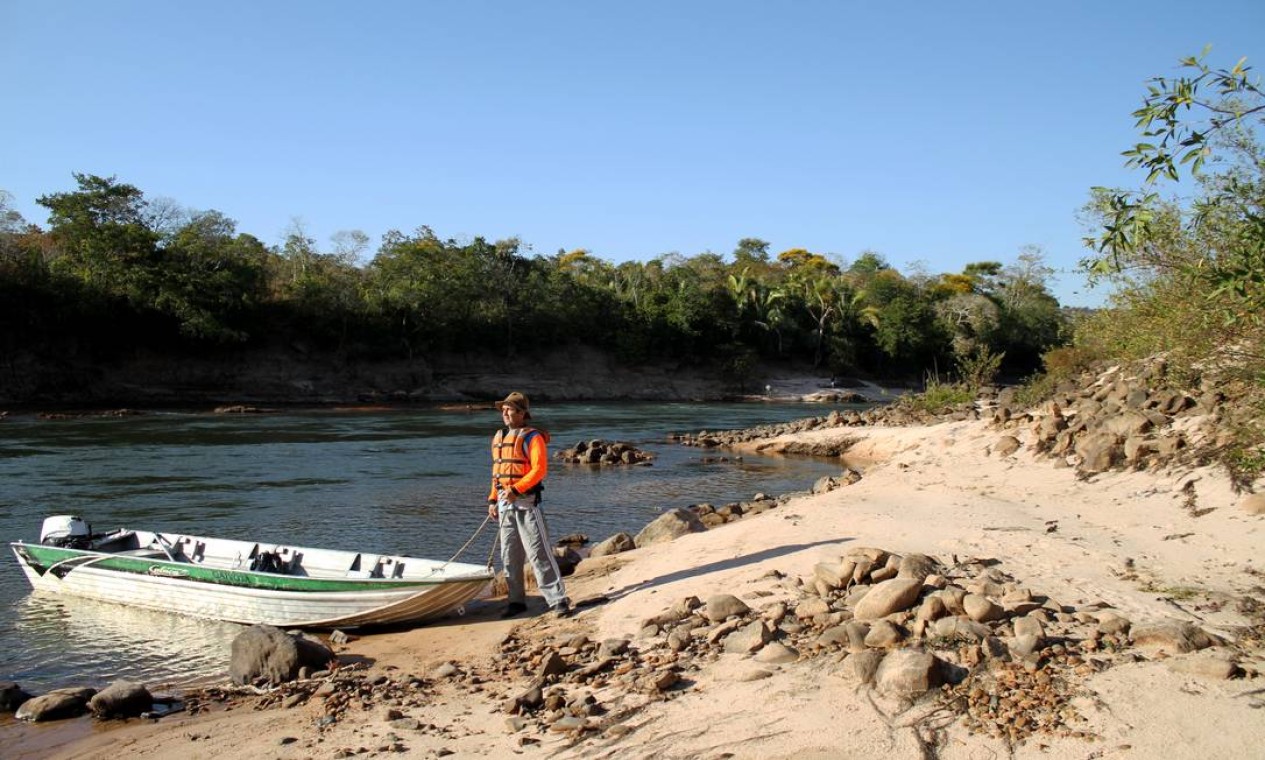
pixel 408 482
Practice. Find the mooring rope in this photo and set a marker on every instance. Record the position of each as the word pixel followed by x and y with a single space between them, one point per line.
pixel 496 538
pixel 466 545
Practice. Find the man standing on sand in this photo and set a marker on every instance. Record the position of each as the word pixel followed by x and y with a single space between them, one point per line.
pixel 520 461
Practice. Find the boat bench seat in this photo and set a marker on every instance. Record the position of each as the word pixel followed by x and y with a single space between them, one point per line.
pixel 375 566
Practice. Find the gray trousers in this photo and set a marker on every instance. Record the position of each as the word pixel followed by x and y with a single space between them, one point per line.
pixel 525 538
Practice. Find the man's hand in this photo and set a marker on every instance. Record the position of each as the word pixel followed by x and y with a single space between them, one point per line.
pixel 492 511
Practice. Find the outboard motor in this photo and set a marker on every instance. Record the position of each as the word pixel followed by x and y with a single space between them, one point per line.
pixel 67 531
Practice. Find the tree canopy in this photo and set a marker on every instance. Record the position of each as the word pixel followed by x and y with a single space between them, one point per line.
pixel 189 279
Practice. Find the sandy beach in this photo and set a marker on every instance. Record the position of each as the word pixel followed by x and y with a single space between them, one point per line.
pixel 1149 547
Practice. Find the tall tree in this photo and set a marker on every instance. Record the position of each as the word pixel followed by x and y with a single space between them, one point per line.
pixel 212 278
pixel 102 236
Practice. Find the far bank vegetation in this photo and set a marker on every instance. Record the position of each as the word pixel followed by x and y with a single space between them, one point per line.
pixel 114 273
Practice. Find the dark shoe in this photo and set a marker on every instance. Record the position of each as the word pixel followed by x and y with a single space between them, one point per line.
pixel 514 608
pixel 562 609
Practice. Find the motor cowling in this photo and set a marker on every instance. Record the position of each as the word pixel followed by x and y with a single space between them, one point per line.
pixel 69 531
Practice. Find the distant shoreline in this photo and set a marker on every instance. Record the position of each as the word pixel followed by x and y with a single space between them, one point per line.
pixel 284 379
pixel 807 389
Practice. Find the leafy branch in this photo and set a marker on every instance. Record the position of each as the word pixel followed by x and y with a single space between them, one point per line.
pixel 1175 138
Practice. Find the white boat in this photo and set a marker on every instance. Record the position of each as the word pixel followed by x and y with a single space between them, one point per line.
pixel 245 581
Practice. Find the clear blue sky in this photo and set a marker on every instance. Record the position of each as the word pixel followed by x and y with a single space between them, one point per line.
pixel 936 132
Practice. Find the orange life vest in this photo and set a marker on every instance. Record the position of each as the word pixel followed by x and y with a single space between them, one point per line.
pixel 511 460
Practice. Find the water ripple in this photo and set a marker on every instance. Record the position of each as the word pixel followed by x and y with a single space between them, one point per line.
pixel 112 642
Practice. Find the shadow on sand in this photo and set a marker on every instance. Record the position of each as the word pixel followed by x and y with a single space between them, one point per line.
pixel 711 567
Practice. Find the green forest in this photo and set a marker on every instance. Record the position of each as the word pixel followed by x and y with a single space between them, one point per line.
pixel 117 272
pixel 113 273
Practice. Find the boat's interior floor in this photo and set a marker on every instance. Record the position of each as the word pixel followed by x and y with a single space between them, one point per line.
pixel 280 560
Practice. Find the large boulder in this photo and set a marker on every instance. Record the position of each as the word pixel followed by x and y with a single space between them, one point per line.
pixel 887 597
pixel 1124 424
pixel 749 638
pixel 721 607
pixel 906 673
pixel 917 566
pixel 1099 451
pixel 268 654
pixel 668 526
pixel 121 699
pixel 959 628
pixel 981 609
pixel 832 574
pixel 1006 445
pixel 616 544
pixel 1215 667
pixel 56 705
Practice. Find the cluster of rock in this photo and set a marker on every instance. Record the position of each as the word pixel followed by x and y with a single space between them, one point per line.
pixel 834 397
pixel 603 453
pixel 696 518
pixel 261 656
pixel 238 409
pixel 1121 417
pixel 712 439
pixel 576 685
pixel 678 522
pixel 339 691
pixel 969 637
pixel 892 415
pixel 1005 657
pixel 81 415
pixel 121 699
pixel 1114 417
pixel 274 669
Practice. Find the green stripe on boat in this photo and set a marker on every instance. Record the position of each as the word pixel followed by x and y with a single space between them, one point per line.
pixel 47 556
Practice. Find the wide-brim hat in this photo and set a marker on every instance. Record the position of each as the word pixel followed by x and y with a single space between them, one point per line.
pixel 518 401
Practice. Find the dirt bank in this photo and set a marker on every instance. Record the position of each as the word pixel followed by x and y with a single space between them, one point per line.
pixel 293 376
